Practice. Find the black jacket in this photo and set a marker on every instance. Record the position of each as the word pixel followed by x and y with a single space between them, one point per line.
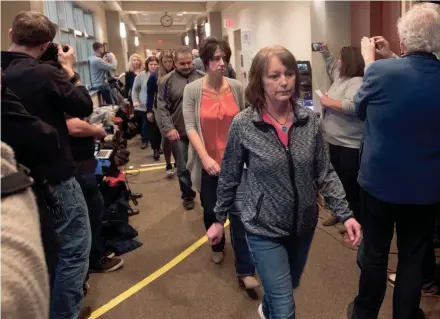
pixel 46 92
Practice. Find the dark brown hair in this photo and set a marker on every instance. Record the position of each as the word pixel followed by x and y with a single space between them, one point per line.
pixel 352 62
pixel 255 95
pixel 182 50
pixel 97 45
pixel 150 59
pixel 208 48
pixel 32 29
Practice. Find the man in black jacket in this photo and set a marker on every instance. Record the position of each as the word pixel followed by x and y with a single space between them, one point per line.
pixel 48 92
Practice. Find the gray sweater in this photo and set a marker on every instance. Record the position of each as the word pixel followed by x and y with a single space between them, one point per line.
pixel 280 196
pixel 99 70
pixel 342 128
pixel 139 91
pixel 192 98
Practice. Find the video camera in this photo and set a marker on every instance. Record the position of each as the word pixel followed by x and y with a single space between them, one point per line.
pixel 51 54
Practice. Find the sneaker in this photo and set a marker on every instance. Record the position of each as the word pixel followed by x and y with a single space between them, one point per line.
pixel 431 290
pixel 330 221
pixel 188 204
pixel 108 265
pixel 217 257
pixel 144 145
pixel 110 254
pixel 170 170
pixel 250 282
pixel 156 155
pixel 260 311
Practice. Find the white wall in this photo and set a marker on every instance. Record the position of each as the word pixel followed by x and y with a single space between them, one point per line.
pixel 272 23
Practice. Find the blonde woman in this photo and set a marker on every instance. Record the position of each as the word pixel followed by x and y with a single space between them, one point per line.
pixel 166 65
pixel 136 66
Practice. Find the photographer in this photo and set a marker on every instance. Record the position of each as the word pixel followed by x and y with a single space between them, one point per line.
pixel 82 143
pixel 48 91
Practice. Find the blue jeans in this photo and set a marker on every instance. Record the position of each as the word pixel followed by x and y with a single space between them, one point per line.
pixel 280 263
pixel 95 206
pixel 73 226
pixel 106 93
pixel 180 153
pixel 244 265
pixel 141 121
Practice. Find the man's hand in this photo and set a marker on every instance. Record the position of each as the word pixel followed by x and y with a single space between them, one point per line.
pixel 215 233
pixel 173 135
pixel 67 59
pixel 100 131
pixel 382 47
pixel 353 231
pixel 324 48
pixel 368 48
pixel 210 166
pixel 150 117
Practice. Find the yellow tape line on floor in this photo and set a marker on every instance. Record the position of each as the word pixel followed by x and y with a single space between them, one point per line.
pixel 148 280
pixel 140 170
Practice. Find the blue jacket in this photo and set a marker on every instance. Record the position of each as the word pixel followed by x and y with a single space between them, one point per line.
pixel 400 154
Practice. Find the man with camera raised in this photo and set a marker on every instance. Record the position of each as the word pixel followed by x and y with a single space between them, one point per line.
pixel 49 91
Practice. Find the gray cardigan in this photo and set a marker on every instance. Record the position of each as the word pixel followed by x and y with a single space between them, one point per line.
pixel 192 97
pixel 139 91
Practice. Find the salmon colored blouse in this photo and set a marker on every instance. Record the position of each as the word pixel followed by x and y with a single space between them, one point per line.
pixel 217 109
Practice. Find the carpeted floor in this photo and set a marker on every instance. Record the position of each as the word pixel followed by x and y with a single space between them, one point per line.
pixel 197 288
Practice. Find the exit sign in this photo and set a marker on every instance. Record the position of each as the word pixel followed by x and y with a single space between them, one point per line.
pixel 159 41
pixel 229 23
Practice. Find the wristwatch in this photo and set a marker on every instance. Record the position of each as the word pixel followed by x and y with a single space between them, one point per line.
pixel 74 79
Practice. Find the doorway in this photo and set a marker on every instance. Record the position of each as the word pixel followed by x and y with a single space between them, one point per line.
pixel 237 56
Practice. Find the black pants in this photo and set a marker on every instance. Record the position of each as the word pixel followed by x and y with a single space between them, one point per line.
pixel 345 161
pixel 153 135
pixel 244 264
pixel 414 228
pixel 141 120
pixel 95 205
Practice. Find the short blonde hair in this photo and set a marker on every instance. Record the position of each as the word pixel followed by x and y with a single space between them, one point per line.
pixel 130 62
pixel 419 28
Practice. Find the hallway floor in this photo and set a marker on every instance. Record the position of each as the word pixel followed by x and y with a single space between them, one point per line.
pixel 196 288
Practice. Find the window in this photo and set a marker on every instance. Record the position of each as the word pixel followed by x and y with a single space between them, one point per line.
pixel 75 27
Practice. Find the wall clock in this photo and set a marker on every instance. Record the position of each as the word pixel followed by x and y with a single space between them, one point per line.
pixel 166 20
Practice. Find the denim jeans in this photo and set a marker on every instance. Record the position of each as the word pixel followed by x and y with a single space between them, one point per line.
pixel 280 263
pixel 73 226
pixel 141 121
pixel 95 206
pixel 244 265
pixel 180 151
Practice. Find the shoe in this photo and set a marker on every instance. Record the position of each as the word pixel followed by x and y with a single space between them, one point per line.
pixel 108 265
pixel 136 195
pixel 217 257
pixel 86 288
pixel 431 290
pixel 392 279
pixel 133 211
pixel 330 221
pixel 170 171
pixel 160 151
pixel 109 254
pixel 249 284
pixel 144 145
pixel 85 313
pixel 156 155
pixel 260 311
pixel 188 204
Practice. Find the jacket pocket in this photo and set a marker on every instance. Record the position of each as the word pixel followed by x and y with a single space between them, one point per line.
pixel 259 204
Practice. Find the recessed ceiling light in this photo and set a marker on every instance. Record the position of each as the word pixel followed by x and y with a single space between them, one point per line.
pixel 180 14
pixel 184 12
pixel 144 14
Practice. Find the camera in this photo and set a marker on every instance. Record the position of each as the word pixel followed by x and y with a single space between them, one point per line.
pixel 51 54
pixel 316 46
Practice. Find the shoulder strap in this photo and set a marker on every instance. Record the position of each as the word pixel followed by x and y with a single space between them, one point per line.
pixel 16 182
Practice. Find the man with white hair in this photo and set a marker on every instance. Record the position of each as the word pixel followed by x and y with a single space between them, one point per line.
pixel 400 161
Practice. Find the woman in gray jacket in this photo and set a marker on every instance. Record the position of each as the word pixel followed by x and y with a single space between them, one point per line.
pixel 139 97
pixel 343 129
pixel 209 105
pixel 286 156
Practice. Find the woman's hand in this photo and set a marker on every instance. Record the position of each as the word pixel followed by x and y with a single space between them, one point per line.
pixel 150 117
pixel 210 166
pixel 215 233
pixel 324 48
pixel 353 231
pixel 368 49
pixel 326 101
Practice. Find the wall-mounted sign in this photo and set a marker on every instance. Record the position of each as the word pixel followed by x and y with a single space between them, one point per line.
pixel 246 37
pixel 228 23
pixel 159 41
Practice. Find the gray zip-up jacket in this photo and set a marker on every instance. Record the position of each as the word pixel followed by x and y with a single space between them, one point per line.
pixel 170 100
pixel 280 190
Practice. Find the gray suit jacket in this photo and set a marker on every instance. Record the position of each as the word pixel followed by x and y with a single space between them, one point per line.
pixel 192 97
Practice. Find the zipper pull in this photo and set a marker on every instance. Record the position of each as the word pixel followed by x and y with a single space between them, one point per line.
pixel 287 149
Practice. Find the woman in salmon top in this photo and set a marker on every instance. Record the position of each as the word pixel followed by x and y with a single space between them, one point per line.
pixel 209 106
